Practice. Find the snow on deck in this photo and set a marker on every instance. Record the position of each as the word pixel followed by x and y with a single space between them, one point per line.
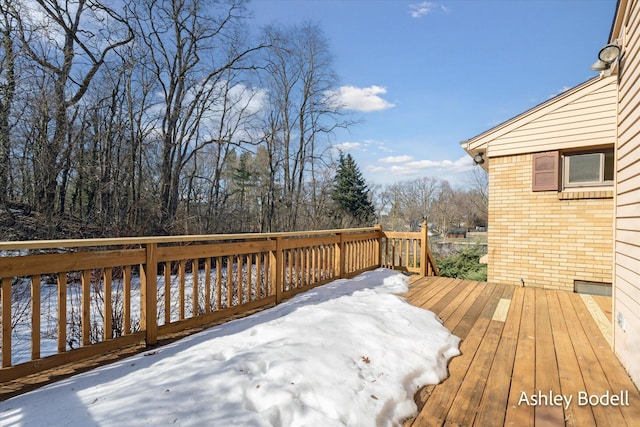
pixel 347 353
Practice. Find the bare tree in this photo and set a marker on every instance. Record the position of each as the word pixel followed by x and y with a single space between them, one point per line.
pixel 445 212
pixel 65 42
pixel 409 203
pixel 419 198
pixel 194 46
pixel 300 116
pixel 478 191
pixel 138 121
pixel 7 94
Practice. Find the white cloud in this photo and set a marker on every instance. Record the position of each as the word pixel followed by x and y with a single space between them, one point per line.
pixel 348 146
pixel 406 165
pixel 396 159
pixel 246 98
pixel 384 148
pixel 365 99
pixel 392 170
pixel 562 90
pixel 418 10
pixel 462 164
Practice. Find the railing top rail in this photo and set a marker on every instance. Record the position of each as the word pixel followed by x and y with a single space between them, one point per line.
pixel 402 234
pixel 76 243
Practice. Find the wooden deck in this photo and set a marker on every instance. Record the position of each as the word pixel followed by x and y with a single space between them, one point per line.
pixel 520 344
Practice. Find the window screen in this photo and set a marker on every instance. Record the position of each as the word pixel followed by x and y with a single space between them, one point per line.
pixel 589 169
pixel 584 168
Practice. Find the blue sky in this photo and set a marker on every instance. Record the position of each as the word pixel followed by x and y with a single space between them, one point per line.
pixel 423 76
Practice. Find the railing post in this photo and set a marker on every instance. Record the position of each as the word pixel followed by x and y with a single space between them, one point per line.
pixel 424 248
pixel 148 291
pixel 276 270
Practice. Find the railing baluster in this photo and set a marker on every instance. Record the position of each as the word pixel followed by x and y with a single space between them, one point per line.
pixel 195 287
pixel 297 260
pixel 6 322
pixel 240 279
pixel 259 276
pixel 311 265
pixel 229 281
pixel 306 270
pixel 339 257
pixel 107 276
pixel 62 312
pixel 35 317
pixel 393 253
pixel 249 274
pixel 267 273
pixel 218 283
pixel 316 264
pixel 86 311
pixel 167 292
pixel 182 266
pixel 388 247
pixel 352 255
pixel 207 285
pixel 126 327
pixel 291 253
pixel 299 267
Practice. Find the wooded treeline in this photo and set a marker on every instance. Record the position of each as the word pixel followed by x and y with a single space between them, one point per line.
pixel 167 117
pixel 403 206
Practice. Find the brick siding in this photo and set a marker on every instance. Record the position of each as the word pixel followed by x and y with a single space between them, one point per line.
pixel 548 239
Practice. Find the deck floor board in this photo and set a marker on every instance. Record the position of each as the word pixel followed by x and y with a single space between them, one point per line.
pixel 492 406
pixel 548 344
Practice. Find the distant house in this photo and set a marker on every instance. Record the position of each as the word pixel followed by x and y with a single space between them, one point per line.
pixel 564 184
pixel 551 190
pixel 456 233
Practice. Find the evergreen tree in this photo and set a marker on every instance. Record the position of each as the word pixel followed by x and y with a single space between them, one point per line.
pixel 242 180
pixel 351 195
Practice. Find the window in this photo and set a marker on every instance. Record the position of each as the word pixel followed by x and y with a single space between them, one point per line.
pixel 592 288
pixel 588 169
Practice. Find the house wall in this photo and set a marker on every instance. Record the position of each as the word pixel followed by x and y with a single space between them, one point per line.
pixel 541 239
pixel 627 210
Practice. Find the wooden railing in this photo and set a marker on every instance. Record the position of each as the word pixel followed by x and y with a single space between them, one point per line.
pixel 67 300
pixel 407 250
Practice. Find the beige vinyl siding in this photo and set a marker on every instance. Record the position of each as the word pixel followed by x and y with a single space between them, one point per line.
pixel 583 116
pixel 627 168
pixel 588 120
pixel 627 206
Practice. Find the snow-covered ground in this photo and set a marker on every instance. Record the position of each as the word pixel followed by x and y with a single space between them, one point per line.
pixel 347 353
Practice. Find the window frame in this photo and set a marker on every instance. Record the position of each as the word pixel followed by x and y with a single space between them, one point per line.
pixel 566 162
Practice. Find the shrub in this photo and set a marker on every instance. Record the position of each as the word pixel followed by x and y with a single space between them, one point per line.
pixel 464 264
